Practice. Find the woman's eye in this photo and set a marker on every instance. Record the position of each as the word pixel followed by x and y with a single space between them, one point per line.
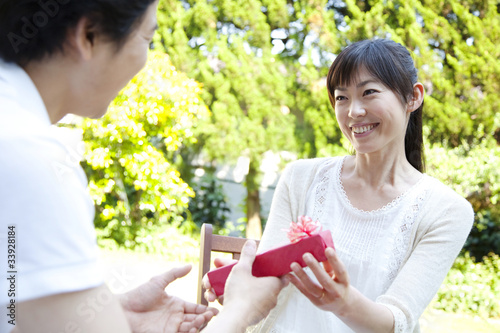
pixel 369 91
pixel 339 98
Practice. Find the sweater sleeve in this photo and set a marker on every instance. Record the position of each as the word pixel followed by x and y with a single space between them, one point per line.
pixel 446 220
pixel 280 214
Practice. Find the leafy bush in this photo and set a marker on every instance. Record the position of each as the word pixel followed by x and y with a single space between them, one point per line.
pixel 210 204
pixel 484 236
pixel 165 243
pixel 130 151
pixel 171 241
pixel 471 288
pixel 472 171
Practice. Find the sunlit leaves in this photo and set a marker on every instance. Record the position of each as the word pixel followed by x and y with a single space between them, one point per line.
pixel 129 152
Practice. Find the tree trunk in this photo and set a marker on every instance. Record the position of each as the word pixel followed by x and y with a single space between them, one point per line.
pixel 254 227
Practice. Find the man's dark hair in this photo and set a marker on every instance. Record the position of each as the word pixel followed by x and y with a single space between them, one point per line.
pixel 33 29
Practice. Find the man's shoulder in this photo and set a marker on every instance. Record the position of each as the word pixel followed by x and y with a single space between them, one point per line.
pixel 24 152
pixel 39 162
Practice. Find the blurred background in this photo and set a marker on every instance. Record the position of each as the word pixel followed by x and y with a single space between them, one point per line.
pixel 235 89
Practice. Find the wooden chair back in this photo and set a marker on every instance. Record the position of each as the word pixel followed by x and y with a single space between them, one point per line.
pixel 215 243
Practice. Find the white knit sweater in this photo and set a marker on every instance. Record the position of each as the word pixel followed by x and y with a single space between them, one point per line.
pixel 397 255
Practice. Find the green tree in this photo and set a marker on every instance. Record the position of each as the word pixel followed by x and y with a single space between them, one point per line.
pixel 263 55
pixel 260 82
pixel 130 152
pixel 230 52
pixel 456 49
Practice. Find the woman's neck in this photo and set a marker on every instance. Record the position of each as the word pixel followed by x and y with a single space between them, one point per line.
pixel 379 170
pixel 372 181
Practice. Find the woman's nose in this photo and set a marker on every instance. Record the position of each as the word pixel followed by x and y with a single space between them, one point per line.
pixel 356 110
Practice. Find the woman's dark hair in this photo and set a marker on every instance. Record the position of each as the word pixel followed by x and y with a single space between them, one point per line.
pixel 33 29
pixel 392 64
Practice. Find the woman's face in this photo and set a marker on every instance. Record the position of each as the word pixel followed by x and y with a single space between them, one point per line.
pixel 371 115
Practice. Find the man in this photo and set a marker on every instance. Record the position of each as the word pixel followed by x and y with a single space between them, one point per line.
pixel 68 56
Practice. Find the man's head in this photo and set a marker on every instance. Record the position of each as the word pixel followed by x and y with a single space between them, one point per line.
pixel 78 53
pixel 33 29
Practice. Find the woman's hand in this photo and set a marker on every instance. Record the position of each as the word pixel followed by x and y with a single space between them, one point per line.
pixel 209 292
pixel 333 293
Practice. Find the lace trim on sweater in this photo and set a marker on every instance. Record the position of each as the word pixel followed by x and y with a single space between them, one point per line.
pixel 400 324
pixel 322 191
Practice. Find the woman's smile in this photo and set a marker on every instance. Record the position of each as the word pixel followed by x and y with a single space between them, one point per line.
pixel 362 130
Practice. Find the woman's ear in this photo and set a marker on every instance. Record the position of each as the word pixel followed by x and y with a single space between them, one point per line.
pixel 81 39
pixel 417 98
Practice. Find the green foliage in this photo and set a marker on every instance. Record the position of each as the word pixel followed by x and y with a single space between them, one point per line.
pixel 264 63
pixel 471 288
pixel 472 171
pixel 209 205
pixel 165 243
pixel 484 236
pixel 226 45
pixel 129 154
pixel 165 239
pixel 456 48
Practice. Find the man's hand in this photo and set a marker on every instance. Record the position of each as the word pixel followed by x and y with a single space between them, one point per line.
pixel 247 299
pixel 150 309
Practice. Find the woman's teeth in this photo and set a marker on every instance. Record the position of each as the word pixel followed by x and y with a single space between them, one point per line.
pixel 362 129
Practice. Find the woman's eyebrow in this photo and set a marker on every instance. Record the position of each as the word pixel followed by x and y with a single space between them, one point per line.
pixel 359 85
pixel 364 83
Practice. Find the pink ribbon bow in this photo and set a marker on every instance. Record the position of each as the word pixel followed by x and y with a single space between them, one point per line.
pixel 304 228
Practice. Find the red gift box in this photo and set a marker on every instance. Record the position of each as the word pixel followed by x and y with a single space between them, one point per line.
pixel 276 262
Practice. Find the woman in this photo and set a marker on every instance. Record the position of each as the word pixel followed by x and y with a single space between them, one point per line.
pixel 396 230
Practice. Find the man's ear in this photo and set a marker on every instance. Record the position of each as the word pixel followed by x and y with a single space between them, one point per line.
pixel 81 39
pixel 417 98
